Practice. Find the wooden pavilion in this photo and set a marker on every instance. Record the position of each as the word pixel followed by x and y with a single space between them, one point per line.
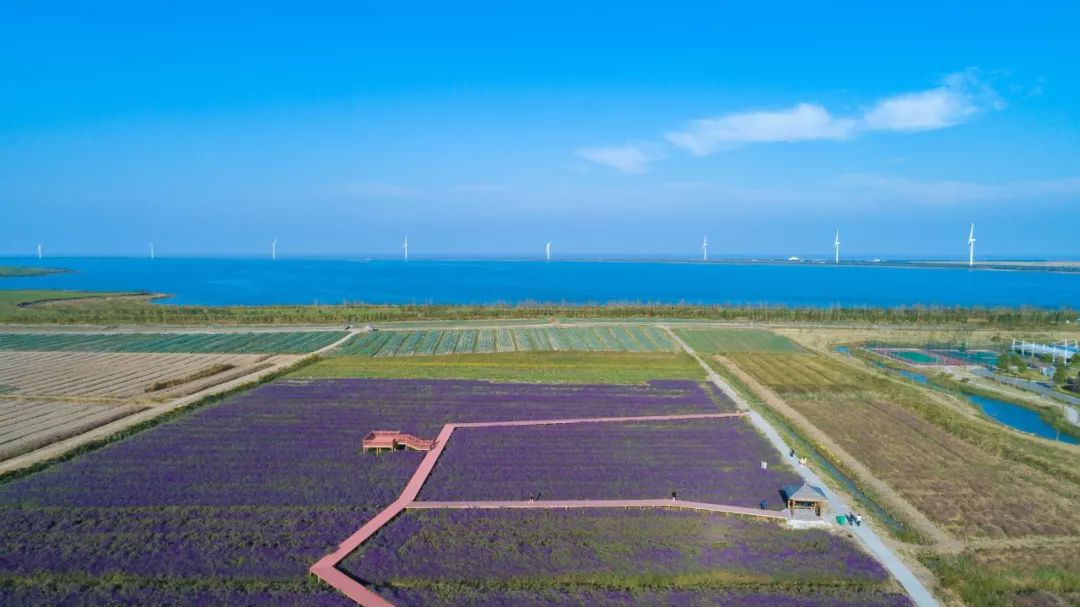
pixel 394 440
pixel 804 496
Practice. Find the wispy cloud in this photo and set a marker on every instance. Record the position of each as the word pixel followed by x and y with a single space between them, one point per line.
pixel 803 122
pixel 630 158
pixel 958 98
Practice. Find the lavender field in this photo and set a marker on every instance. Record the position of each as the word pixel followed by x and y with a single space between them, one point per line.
pixel 614 557
pixel 230 504
pixel 706 460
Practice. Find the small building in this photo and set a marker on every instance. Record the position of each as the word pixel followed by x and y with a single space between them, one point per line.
pixel 394 440
pixel 804 497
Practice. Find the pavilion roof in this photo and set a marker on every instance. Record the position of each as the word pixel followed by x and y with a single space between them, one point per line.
pixel 804 492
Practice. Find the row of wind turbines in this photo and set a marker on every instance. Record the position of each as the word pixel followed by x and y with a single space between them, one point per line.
pixel 836 247
pixel 547 248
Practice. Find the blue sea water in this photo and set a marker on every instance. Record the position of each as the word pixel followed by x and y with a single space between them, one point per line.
pixel 304 281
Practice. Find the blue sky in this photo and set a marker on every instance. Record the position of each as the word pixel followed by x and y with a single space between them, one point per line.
pixel 490 129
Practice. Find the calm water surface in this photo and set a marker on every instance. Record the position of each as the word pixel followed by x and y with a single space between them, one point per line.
pixel 303 281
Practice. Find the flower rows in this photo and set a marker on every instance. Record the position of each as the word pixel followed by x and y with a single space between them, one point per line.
pixel 708 460
pixel 517 339
pixel 230 504
pixel 613 557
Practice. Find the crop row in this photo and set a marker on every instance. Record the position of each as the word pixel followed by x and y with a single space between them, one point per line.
pixel 518 339
pixel 239 343
pixel 706 460
pixel 106 375
pixel 736 340
pixel 231 503
pixel 26 425
pixel 618 557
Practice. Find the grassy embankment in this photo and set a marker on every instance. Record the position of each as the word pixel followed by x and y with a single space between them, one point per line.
pixel 985 488
pixel 114 308
pixel 546 367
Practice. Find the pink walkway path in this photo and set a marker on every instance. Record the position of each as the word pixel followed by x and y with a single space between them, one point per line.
pixel 326 568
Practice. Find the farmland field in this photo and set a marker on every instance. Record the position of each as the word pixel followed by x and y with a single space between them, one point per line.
pixel 571 367
pixel 616 338
pixel 26 425
pixel 93 375
pixel 951 468
pixel 710 460
pixel 231 503
pixel 614 557
pixel 736 340
pixel 207 343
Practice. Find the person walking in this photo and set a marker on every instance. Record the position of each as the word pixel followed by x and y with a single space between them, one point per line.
pixel 858 520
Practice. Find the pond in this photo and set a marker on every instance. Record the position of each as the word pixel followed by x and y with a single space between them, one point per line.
pixel 1005 413
pixel 1018 417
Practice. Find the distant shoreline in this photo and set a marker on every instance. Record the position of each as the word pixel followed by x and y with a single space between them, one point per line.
pixel 1056 266
pixel 26 271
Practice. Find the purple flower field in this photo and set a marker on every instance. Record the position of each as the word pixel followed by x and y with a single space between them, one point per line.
pixel 613 557
pixel 230 504
pixel 705 460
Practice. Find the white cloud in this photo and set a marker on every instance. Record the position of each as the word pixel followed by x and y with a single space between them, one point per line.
pixel 805 121
pixel 960 97
pixel 629 157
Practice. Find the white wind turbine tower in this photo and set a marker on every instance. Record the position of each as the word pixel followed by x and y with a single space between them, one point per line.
pixel 151 250
pixel 971 246
pixel 705 248
pixel 547 250
pixel 273 249
pixel 406 247
pixel 39 248
pixel 836 247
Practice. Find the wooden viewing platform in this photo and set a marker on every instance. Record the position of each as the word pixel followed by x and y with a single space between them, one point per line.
pixel 392 440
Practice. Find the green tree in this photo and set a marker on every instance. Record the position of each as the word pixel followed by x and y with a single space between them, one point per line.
pixel 1060 373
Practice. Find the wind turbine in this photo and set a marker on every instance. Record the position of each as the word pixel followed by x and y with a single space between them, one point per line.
pixel 39 247
pixel 705 248
pixel 971 246
pixel 836 247
pixel 151 250
pixel 406 247
pixel 547 250
pixel 273 249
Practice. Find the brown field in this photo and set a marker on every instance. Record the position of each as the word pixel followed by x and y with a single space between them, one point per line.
pixel 26 425
pixel 100 377
pixel 953 468
pixel 825 337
